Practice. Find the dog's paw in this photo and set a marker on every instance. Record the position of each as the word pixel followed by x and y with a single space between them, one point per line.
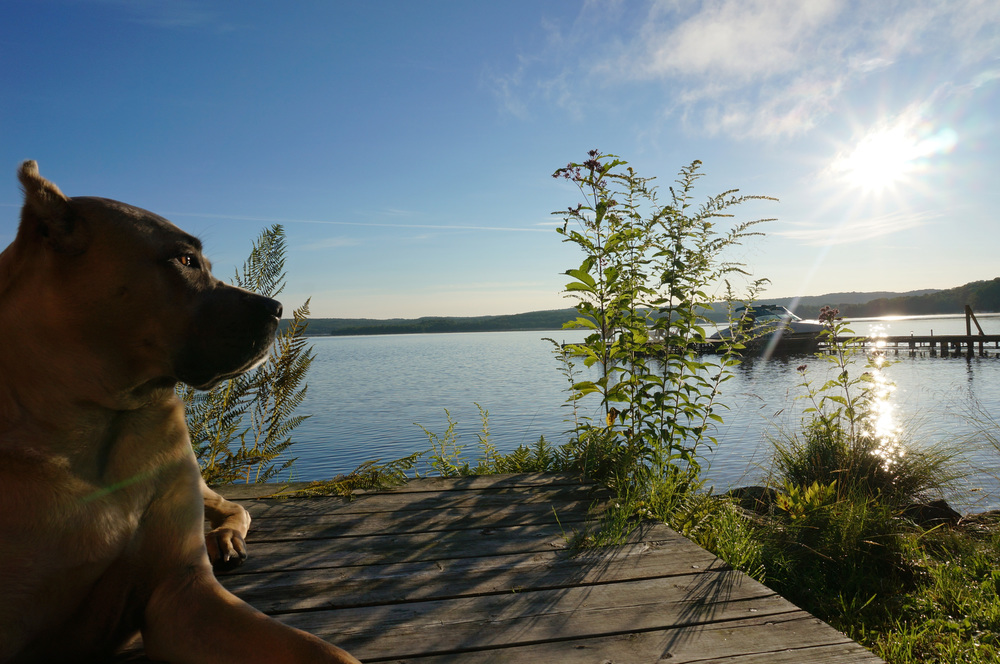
pixel 226 549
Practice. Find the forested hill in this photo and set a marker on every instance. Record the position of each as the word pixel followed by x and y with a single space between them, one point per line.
pixel 534 320
pixel 809 302
pixel 982 296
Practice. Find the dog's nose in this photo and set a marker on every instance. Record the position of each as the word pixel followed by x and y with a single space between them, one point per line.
pixel 273 307
pixel 259 304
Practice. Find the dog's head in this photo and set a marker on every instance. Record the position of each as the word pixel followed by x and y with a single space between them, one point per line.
pixel 132 293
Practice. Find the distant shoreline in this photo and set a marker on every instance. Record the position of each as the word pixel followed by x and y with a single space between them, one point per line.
pixel 535 320
pixel 982 296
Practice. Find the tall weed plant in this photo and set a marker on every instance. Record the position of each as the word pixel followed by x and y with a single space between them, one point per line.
pixel 641 291
pixel 241 429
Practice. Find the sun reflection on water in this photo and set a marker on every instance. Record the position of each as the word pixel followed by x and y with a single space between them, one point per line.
pixel 881 422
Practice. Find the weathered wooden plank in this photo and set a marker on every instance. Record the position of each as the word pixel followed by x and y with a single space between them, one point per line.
pixel 791 638
pixel 764 637
pixel 848 653
pixel 423 484
pixel 453 518
pixel 496 621
pixel 415 547
pixel 296 590
pixel 399 501
pixel 409 547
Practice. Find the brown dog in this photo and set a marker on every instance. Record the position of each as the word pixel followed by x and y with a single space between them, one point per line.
pixel 104 307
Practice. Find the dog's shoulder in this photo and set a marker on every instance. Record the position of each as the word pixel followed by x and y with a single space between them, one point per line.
pixel 138 452
pixel 67 522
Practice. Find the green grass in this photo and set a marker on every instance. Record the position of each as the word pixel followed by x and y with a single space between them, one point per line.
pixel 950 613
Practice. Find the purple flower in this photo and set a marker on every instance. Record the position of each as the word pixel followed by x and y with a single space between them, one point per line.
pixel 828 315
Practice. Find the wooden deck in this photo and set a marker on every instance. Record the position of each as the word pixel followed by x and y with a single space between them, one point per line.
pixel 478 569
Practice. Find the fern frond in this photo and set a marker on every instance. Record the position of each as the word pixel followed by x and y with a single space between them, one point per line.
pixel 241 428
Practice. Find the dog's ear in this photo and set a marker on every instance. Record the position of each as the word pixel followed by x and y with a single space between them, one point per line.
pixel 47 214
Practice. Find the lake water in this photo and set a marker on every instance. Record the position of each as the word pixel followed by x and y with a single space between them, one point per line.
pixel 367 394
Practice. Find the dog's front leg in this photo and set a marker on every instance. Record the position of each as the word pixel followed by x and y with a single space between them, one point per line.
pixel 191 619
pixel 226 541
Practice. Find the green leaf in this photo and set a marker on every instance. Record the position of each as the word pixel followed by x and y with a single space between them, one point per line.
pixel 583 276
pixel 581 323
pixel 577 286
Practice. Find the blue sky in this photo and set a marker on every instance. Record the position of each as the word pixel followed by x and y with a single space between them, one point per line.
pixel 407 147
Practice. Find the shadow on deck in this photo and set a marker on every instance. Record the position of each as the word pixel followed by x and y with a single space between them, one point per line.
pixel 477 569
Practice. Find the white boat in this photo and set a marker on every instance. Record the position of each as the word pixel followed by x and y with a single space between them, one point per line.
pixel 771 324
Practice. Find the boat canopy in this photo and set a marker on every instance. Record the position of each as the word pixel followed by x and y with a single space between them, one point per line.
pixel 759 311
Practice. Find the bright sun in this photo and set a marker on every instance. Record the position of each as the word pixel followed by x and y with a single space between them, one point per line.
pixel 892 154
pixel 880 160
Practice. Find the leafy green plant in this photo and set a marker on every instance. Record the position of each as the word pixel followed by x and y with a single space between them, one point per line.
pixel 542 457
pixel 728 531
pixel 799 502
pixel 241 429
pixel 569 371
pixel 445 452
pixel 446 455
pixel 640 292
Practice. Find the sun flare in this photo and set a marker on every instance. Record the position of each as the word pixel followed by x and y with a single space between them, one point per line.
pixel 879 161
pixel 891 154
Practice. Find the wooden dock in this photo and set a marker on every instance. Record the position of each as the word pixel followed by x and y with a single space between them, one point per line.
pixel 479 570
pixel 943 345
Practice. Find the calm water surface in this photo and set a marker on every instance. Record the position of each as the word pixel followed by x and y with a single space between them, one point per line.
pixel 367 395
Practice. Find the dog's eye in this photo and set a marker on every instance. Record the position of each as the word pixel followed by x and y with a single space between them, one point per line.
pixel 188 260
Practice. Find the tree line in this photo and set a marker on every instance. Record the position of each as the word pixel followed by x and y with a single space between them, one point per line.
pixel 982 296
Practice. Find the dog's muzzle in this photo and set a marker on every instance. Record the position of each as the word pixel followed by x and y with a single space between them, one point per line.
pixel 231 333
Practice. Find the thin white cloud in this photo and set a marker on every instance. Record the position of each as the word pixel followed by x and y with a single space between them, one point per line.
pixel 331 243
pixel 168 15
pixel 857 230
pixel 396 212
pixel 731 39
pixel 172 15
pixel 507 89
pixel 985 78
pixel 364 224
